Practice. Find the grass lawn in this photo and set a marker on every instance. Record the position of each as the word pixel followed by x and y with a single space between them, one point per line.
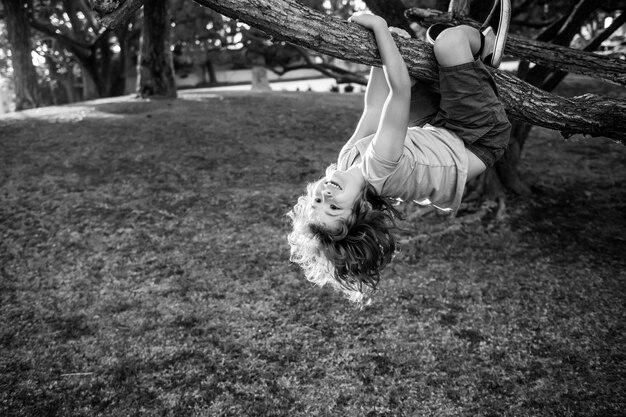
pixel 144 271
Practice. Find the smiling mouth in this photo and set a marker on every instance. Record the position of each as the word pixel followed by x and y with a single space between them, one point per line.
pixel 334 184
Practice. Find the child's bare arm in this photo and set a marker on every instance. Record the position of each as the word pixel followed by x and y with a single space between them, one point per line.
pixel 389 139
pixel 374 101
pixel 393 63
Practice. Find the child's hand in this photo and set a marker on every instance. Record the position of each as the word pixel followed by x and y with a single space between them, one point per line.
pixel 367 20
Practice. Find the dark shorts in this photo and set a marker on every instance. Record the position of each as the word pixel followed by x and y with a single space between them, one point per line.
pixel 466 102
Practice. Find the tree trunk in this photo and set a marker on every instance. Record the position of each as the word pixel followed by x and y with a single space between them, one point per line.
pixel 27 94
pixel 507 167
pixel 69 86
pixel 130 67
pixel 260 82
pixel 110 64
pixel 155 69
pixel 65 81
pixel 90 86
pixel 209 77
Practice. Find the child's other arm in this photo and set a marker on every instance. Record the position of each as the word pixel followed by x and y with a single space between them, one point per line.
pixel 374 101
pixel 389 139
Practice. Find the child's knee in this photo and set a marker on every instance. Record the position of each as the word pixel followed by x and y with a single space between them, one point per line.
pixel 454 46
pixel 449 40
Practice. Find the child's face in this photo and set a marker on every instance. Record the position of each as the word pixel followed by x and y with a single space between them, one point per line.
pixel 334 196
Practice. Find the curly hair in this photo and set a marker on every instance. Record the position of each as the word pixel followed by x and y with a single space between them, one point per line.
pixel 351 257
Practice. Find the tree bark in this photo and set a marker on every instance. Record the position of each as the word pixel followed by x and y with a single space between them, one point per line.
pixel 155 68
pixel 542 53
pixel 298 24
pixel 392 11
pixel 114 15
pixel 292 22
pixel 27 94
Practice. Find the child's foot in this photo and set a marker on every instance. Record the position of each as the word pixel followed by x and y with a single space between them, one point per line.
pixel 488 43
pixel 492 44
pixel 435 30
pixel 493 48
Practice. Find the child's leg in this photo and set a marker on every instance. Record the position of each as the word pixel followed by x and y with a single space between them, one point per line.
pixel 457 45
pixel 453 47
pixel 490 53
pixel 470 106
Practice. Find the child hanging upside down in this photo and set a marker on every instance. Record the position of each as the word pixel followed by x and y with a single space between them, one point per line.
pixel 414 142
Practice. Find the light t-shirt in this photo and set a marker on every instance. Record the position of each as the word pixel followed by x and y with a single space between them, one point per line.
pixel 432 169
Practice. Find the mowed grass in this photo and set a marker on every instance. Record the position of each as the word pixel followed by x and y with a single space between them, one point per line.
pixel 144 271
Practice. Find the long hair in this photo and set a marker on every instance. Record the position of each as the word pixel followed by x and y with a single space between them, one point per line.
pixel 352 256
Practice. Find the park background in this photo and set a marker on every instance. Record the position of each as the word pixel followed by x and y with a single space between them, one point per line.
pixel 144 270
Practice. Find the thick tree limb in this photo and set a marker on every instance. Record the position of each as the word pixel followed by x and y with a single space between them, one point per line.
pixel 392 11
pixel 589 114
pixel 543 53
pixel 295 23
pixel 300 25
pixel 112 17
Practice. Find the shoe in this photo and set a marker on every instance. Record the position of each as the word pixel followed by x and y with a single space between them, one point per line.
pixel 485 54
pixel 493 57
pixel 435 30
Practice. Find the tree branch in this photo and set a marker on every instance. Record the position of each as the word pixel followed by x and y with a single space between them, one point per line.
pixel 329 35
pixel 339 74
pixel 112 17
pixel 82 50
pixel 543 53
pixel 556 77
pixel 298 24
pixel 589 114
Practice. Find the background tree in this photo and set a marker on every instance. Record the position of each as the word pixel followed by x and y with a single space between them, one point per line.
pixel 282 57
pixel 155 71
pixel 208 39
pixel 78 50
pixel 27 94
pixel 200 36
